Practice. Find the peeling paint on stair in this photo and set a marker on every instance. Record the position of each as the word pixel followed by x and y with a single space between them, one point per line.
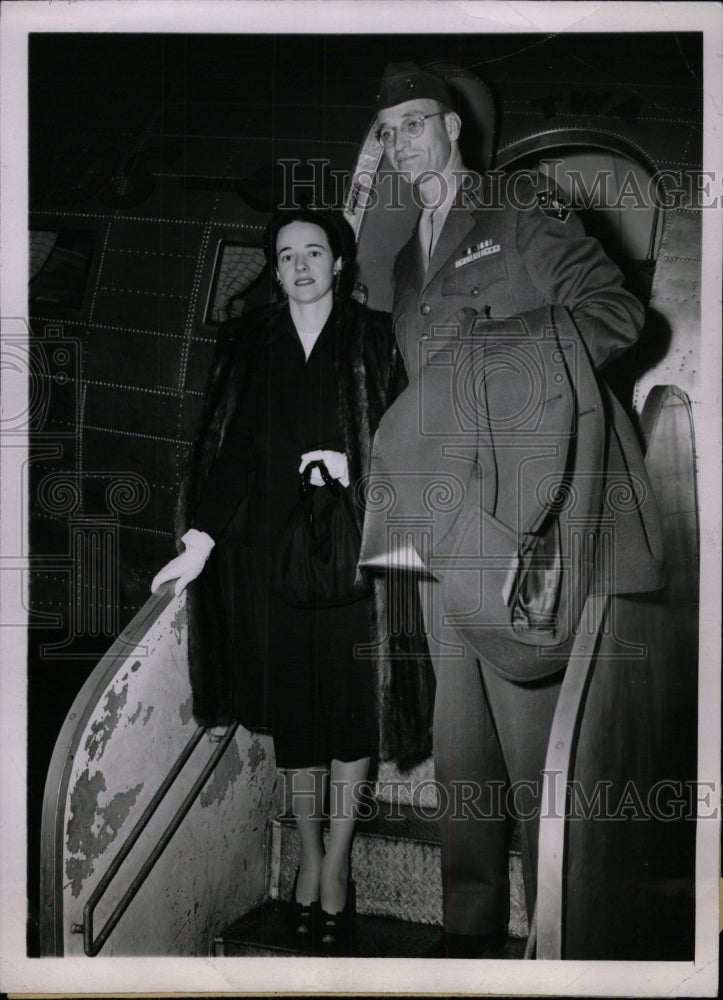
pixel 226 773
pixel 103 728
pixel 91 827
pixel 140 723
pixel 132 718
pixel 83 803
pixel 185 710
pixel 257 754
pixel 179 623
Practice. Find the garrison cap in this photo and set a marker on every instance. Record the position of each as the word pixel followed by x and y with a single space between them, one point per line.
pixel 404 81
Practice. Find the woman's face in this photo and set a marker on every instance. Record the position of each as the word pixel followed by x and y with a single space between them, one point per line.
pixel 304 262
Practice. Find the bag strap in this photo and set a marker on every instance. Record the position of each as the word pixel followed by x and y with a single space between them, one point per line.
pixel 305 477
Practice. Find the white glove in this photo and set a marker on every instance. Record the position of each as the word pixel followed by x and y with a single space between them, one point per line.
pixel 335 461
pixel 189 564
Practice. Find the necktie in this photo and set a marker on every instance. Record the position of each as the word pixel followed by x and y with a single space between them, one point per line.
pixel 426 233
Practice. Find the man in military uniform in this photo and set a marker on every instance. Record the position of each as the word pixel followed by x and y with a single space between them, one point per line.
pixel 494 247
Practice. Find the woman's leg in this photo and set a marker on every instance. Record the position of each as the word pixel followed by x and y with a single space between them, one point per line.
pixel 305 789
pixel 345 791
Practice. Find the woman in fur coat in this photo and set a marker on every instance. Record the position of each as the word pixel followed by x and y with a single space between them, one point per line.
pixel 304 380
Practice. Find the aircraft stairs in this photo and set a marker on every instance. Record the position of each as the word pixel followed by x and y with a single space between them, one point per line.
pixel 161 838
pixel 396 866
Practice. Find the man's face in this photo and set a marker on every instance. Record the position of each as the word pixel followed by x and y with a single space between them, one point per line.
pixel 427 152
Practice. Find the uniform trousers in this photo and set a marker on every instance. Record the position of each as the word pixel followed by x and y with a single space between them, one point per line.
pixel 490 743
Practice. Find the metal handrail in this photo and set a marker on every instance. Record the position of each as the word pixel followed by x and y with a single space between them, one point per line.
pixel 56 788
pixel 93 946
pixel 546 931
pixel 62 762
pixel 546 926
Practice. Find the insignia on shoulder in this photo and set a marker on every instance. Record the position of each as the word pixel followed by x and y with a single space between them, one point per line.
pixel 552 206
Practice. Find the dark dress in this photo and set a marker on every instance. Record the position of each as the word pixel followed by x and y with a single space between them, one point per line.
pixel 321 695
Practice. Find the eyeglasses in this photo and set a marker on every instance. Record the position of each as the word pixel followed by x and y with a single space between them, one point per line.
pixel 412 128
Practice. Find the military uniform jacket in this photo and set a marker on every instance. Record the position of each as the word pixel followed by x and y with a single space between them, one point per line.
pixel 507 249
pixel 503 411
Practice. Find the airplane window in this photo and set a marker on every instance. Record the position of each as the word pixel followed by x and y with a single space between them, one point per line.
pixel 59 263
pixel 41 245
pixel 237 267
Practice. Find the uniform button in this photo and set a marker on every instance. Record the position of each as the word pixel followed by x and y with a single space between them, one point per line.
pixel 474 290
pixel 425 309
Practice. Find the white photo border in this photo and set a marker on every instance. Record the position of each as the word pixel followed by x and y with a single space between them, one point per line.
pixel 22 975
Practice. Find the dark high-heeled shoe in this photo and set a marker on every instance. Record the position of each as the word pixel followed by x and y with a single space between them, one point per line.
pixel 302 918
pixel 336 928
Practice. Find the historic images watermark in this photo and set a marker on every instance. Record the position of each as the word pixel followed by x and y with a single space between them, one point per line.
pixel 666 800
pixel 317 182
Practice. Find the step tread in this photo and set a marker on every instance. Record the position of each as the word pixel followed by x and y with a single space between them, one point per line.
pixel 263 931
pixel 396 864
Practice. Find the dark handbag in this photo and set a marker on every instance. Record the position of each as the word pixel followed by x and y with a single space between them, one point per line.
pixel 316 556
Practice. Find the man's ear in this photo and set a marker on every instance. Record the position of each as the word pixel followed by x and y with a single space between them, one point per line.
pixel 453 124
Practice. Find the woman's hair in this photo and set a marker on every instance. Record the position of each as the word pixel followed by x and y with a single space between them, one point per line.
pixel 338 232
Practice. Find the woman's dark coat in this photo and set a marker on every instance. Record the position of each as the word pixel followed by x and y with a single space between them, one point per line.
pixel 369 375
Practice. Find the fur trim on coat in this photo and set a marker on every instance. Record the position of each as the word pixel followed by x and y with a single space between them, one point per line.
pixel 370 375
